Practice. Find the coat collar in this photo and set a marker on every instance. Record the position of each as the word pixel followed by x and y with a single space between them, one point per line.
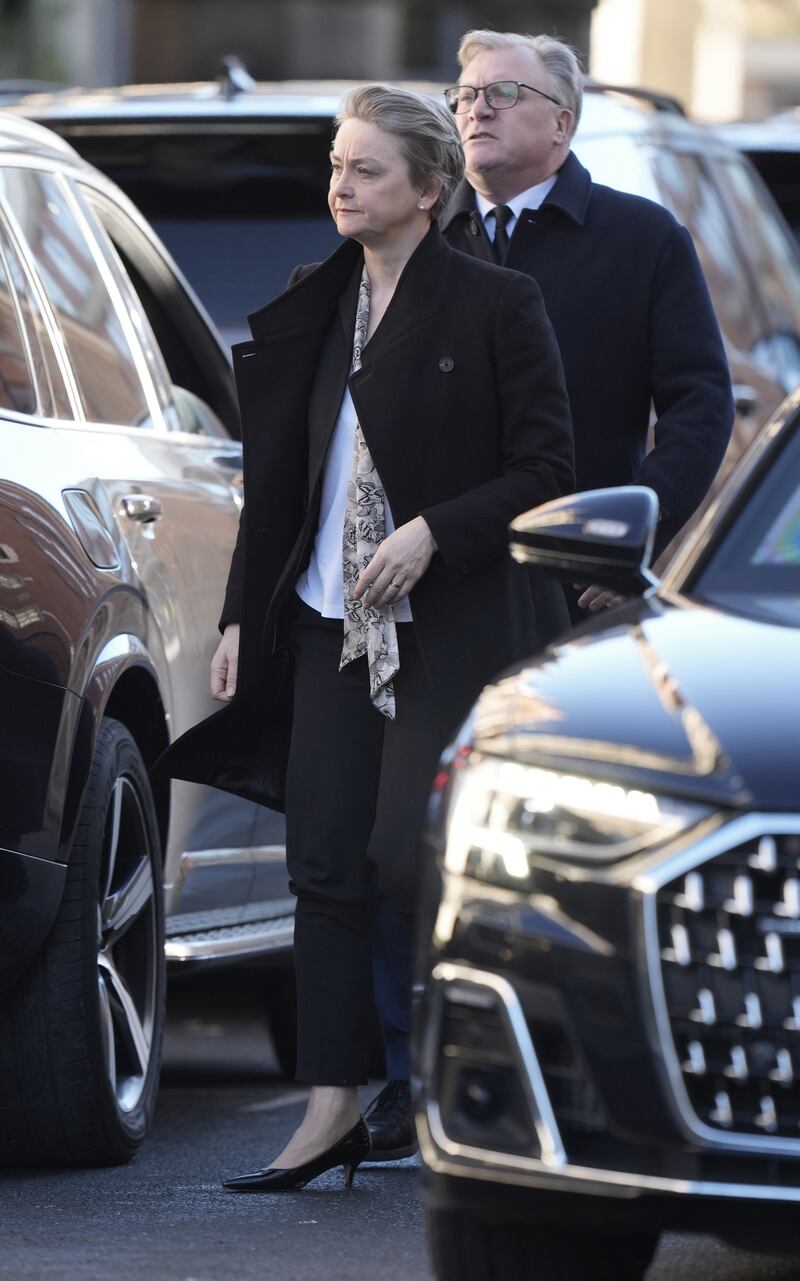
pixel 333 285
pixel 312 300
pixel 570 195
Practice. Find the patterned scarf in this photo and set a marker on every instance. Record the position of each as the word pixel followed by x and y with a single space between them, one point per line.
pixel 366 631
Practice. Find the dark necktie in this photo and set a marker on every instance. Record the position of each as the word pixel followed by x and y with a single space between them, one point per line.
pixel 502 216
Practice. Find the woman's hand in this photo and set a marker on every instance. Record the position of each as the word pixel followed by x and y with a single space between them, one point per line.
pixel 397 565
pixel 224 665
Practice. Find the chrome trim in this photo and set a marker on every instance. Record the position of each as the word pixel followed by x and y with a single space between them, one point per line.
pixel 542 1115
pixel 736 832
pixel 499 1167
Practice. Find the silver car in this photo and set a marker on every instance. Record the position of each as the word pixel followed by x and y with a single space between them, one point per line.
pixel 120 492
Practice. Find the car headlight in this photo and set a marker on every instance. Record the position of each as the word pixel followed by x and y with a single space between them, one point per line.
pixel 503 815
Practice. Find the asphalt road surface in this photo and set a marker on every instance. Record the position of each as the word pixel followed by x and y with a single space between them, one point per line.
pixel 224 1109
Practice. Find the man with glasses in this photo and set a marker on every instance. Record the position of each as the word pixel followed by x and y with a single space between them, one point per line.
pixel 620 277
pixel 626 295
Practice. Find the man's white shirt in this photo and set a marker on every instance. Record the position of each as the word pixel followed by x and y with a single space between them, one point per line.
pixel 531 198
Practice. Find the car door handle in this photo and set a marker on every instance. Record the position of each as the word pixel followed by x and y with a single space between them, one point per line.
pixel 745 398
pixel 142 507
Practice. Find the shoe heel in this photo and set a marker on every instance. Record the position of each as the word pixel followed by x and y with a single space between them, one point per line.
pixel 349 1168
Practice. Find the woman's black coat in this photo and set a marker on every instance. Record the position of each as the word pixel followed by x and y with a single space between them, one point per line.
pixel 462 402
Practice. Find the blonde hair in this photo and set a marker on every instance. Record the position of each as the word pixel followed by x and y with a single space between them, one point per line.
pixel 559 59
pixel 426 132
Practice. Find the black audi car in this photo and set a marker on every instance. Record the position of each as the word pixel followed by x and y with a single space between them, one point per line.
pixel 609 1037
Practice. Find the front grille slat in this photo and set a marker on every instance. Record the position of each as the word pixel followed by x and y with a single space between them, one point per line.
pixel 729 949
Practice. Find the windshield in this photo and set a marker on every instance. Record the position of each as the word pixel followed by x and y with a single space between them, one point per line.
pixel 755 569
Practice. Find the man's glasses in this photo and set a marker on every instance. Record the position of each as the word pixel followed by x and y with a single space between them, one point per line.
pixel 501 94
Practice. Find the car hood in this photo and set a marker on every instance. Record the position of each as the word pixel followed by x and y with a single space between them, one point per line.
pixel 682 697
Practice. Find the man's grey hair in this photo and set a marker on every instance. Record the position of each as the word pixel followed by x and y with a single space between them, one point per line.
pixel 559 59
pixel 426 132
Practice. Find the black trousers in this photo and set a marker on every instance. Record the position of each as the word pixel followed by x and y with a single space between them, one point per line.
pixel 356 793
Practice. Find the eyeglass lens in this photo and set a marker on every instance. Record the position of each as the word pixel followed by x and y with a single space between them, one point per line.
pixel 503 93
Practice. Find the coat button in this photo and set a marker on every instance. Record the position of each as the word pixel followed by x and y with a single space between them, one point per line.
pixel 446 364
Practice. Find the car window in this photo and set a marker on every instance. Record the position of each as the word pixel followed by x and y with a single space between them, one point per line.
pixel 187 343
pixel 755 569
pixel 779 171
pixel 687 190
pixel 133 305
pixel 17 390
pixel 774 260
pixel 103 363
pixel 237 210
pixel 53 398
pixel 618 161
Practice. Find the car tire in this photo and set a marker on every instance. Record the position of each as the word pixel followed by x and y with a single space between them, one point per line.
pixel 80 1034
pixel 465 1247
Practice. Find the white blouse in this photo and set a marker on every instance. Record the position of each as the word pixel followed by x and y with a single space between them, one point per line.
pixel 322 584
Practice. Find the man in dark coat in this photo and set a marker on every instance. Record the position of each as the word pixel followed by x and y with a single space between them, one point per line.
pixel 626 296
pixel 620 277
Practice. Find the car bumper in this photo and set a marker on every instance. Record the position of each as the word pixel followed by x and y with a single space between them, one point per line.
pixel 564 1051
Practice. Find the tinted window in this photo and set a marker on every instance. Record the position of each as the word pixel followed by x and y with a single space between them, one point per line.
pixel 756 567
pixel 16 384
pixel 237 211
pixel 101 357
pixel 781 172
pixel 185 342
pixel 687 190
pixel 774 259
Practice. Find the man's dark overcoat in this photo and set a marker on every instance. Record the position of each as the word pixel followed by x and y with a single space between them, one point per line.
pixel 462 402
pixel 627 299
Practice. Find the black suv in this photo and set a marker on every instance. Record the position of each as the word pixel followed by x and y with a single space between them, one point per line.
pixel 609 1042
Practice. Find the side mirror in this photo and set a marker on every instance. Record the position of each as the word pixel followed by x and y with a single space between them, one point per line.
pixel 603 536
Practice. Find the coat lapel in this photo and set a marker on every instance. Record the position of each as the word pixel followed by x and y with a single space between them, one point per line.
pixel 421 292
pixel 312 301
pixel 463 226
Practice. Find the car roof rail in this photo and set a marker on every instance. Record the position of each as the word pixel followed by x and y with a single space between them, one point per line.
pixel 661 101
pixel 234 78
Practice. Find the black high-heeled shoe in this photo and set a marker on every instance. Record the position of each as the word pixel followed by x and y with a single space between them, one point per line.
pixel 349 1152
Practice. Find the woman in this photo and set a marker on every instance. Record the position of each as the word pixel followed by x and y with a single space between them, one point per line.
pixel 401 403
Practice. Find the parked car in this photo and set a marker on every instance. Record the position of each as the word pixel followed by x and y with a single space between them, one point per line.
pixel 609 1038
pixel 234 176
pixel 120 490
pixel 773 147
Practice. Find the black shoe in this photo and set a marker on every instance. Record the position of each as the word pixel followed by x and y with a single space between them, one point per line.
pixel 349 1152
pixel 391 1123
